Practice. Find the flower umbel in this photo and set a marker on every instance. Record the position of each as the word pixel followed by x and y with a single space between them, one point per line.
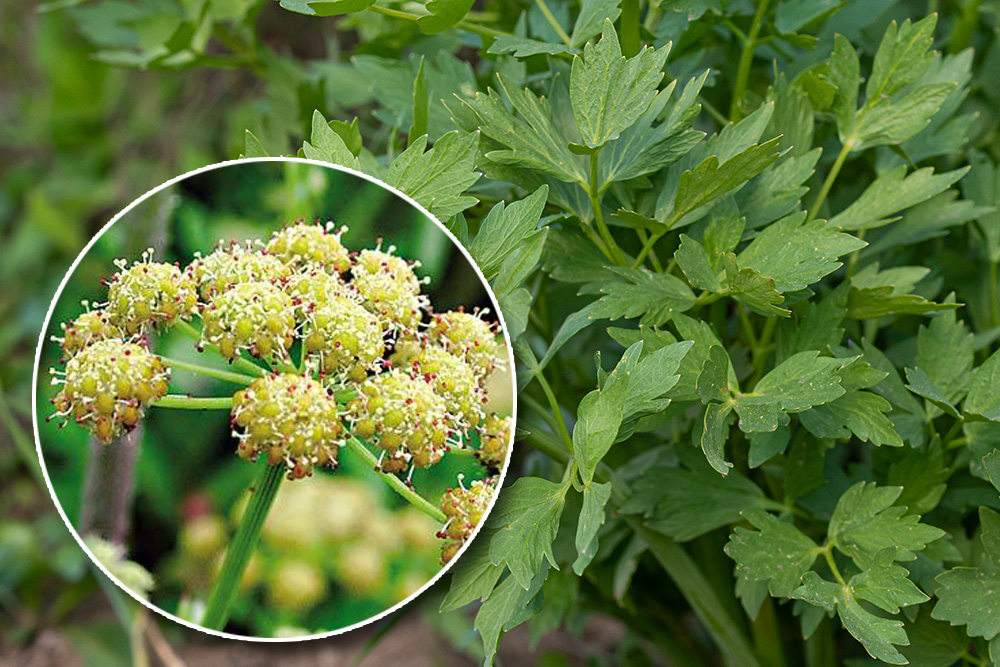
pixel 464 508
pixel 289 418
pixel 149 293
pixel 107 386
pixel 254 316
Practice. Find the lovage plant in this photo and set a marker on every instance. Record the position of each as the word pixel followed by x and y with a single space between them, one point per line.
pixel 786 211
pixel 332 349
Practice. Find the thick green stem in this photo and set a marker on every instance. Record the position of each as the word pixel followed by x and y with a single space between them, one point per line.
pixel 179 402
pixel 482 31
pixel 550 17
pixel 242 547
pixel 828 555
pixel 198 369
pixel 395 483
pixel 746 60
pixel 767 635
pixel 831 176
pixel 595 203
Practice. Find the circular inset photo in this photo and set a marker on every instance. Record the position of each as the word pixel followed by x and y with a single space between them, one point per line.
pixel 274 399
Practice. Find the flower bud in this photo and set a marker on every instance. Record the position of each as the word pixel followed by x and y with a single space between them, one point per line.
pixel 254 316
pixel 149 293
pixel 108 384
pixel 288 418
pixel 303 243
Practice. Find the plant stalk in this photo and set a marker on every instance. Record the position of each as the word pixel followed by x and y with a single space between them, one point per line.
pixel 746 60
pixel 550 17
pixel 830 178
pixel 179 402
pixel 595 203
pixel 242 547
pixel 395 483
pixel 228 376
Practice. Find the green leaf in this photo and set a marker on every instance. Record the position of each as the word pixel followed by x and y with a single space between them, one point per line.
pixel 886 585
pixel 982 186
pixel 710 180
pixel 643 148
pixel 444 14
pixel 777 552
pixel 653 297
pixel 693 260
pixel 991 462
pixel 531 138
pixel 508 606
pixel 520 263
pixel 515 306
pixel 600 415
pixel 420 101
pixel 767 444
pixel 252 147
pixel 871 302
pixel 845 74
pixel 714 435
pixel 436 179
pixel 891 192
pixel 879 636
pixel 860 413
pixel 989 525
pixel 522 47
pixel 752 288
pixel 922 385
pixel 984 393
pixel 327 146
pixel 685 504
pixel 593 15
pixel 968 596
pixel 609 92
pixel 595 497
pixel 796 255
pixel 713 380
pixel 335 7
pixel 504 228
pixel 527 516
pixel 865 522
pixel 945 353
pixel 474 577
pixel 798 383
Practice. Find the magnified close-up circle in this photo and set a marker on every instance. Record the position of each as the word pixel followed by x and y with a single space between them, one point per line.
pixel 274 399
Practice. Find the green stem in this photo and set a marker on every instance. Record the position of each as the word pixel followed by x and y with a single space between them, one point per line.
pixel 852 261
pixel 653 259
pixel 229 376
pixel 195 402
pixel 629 32
pixel 238 362
pixel 819 647
pixel 595 203
pixel 828 555
pixel 395 483
pixel 482 31
pixel 746 60
pixel 831 176
pixel 242 547
pixel 550 17
pixel 556 411
pixel 994 294
pixel 646 249
pixel 767 635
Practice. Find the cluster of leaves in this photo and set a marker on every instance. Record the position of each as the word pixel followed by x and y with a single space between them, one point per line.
pixel 805 264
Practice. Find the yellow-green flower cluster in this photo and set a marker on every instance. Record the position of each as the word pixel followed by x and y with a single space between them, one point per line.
pixel 304 244
pixel 289 418
pixel 253 316
pixel 88 328
pixel 234 264
pixel 107 385
pixel 471 337
pixel 389 288
pixel 494 439
pixel 149 293
pixel 405 417
pixel 451 377
pixel 464 509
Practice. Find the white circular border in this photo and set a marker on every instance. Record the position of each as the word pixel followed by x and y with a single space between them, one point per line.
pixel 41 344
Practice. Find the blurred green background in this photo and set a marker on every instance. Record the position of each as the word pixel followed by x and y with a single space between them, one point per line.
pixel 187 471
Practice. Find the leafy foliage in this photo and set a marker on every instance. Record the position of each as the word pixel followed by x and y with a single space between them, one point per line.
pixel 827 252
